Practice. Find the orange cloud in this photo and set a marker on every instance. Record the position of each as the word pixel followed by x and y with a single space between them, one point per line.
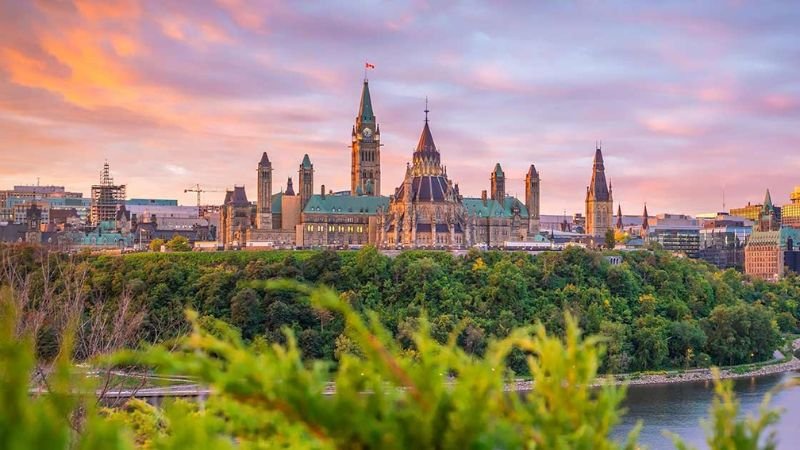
pixel 108 9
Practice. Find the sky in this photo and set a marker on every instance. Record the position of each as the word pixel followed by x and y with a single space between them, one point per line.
pixel 690 99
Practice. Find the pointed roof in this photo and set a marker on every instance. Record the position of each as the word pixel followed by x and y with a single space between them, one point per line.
pixel 768 202
pixel 619 217
pixel 645 223
pixel 237 197
pixel 289 187
pixel 306 164
pixel 532 171
pixel 598 188
pixel 498 171
pixel 365 113
pixel 426 144
pixel 264 160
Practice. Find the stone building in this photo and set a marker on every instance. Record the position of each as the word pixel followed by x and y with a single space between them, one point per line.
pixel 765 254
pixel 426 210
pixel 599 201
pixel 235 219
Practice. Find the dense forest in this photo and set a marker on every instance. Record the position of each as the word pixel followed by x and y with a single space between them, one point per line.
pixel 656 310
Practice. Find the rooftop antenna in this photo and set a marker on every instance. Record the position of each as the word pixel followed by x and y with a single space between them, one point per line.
pixel 426 109
pixel 723 199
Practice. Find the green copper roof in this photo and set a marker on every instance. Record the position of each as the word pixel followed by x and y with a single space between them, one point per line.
pixel 365 113
pixel 306 162
pixel 345 204
pixel 498 170
pixel 493 208
pixel 772 237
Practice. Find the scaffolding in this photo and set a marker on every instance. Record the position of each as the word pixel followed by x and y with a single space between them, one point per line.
pixel 106 198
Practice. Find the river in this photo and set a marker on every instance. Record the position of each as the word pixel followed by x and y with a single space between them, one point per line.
pixel 679 407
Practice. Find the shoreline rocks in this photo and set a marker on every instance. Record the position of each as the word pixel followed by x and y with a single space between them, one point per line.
pixel 688 376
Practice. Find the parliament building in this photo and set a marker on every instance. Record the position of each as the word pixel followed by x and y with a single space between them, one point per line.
pixel 427 210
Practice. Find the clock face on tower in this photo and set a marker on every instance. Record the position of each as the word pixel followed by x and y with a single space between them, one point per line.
pixel 367 132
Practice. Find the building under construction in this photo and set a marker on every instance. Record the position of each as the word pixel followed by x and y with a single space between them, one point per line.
pixel 106 198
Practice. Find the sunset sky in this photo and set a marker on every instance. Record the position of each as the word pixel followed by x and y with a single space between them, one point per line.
pixel 688 98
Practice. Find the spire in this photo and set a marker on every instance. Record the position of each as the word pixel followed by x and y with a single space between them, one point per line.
pixel 598 189
pixel 619 217
pixel 426 144
pixel 264 160
pixel 645 223
pixel 498 171
pixel 289 187
pixel 365 113
pixel 768 202
pixel 306 164
pixel 532 171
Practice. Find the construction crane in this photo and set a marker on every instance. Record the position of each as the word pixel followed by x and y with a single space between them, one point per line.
pixel 196 188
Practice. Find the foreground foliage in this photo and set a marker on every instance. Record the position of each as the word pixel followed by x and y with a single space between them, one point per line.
pixel 266 396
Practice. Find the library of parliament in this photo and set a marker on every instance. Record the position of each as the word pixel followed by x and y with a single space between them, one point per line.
pixel 427 210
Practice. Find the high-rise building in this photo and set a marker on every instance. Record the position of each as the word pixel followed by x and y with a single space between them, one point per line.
pixel 264 200
pixel 106 198
pixel 366 149
pixel 749 212
pixel 790 214
pixel 722 240
pixel 599 200
pixel 676 233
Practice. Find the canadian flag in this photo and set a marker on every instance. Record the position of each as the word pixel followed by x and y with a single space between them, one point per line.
pixel 369 66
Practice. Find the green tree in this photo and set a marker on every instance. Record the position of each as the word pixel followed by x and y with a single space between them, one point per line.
pixel 610 238
pixel 247 313
pixel 178 243
pixel 155 245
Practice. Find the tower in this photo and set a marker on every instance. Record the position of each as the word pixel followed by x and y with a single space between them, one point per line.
pixel 264 202
pixel 532 197
pixel 620 225
pixel 599 199
pixel 769 217
pixel 645 223
pixel 498 184
pixel 365 171
pixel 306 180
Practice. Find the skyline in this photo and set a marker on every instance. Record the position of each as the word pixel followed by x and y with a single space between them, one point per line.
pixel 172 96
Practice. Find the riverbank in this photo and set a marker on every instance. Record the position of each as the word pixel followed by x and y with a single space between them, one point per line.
pixel 688 376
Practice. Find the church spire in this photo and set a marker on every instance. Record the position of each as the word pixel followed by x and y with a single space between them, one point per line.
pixel 645 217
pixel 620 225
pixel 598 188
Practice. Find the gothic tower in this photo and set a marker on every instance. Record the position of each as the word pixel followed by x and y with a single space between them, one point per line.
pixel 645 223
pixel 365 171
pixel 306 180
pixel 532 196
pixel 498 184
pixel 769 217
pixel 264 203
pixel 599 200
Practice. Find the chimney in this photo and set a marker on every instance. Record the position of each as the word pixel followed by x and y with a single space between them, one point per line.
pixel 483 197
pixel 322 191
